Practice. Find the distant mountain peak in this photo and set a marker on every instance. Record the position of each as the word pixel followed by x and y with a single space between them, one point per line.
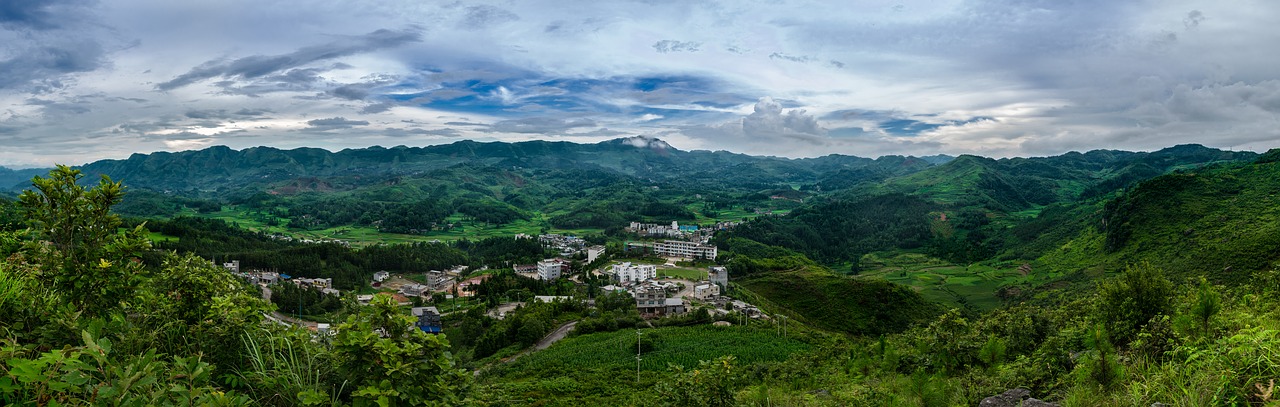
pixel 653 143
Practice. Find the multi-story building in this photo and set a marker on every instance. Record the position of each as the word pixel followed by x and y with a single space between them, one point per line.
pixel 688 250
pixel 438 280
pixel 428 319
pixel 627 272
pixel 705 291
pixel 652 301
pixel 594 252
pixel 718 275
pixel 550 269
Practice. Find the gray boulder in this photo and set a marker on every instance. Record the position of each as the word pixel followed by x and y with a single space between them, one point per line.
pixel 1015 398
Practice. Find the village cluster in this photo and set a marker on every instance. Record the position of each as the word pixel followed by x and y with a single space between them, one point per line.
pixel 654 296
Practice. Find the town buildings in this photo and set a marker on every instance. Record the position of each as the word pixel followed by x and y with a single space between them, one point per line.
pixel 627 272
pixel 551 269
pixel 428 319
pixel 706 291
pixel 438 280
pixel 652 301
pixel 594 252
pixel 676 248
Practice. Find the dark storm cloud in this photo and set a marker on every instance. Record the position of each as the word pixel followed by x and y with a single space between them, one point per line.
pixel 258 66
pixel 334 123
pixel 35 14
pixel 50 61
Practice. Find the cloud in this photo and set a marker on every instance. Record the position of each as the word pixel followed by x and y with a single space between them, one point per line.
pixel 257 66
pixel 540 125
pixel 804 59
pixel 1193 19
pixel 43 62
pixel 334 123
pixel 486 16
pixel 768 120
pixel 36 14
pixel 666 46
pixel 79 78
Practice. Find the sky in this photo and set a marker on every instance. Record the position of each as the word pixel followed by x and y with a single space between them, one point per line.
pixel 83 80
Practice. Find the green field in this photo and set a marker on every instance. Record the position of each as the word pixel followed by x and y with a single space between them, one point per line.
pixel 365 235
pixel 694 274
pixel 945 283
pixel 683 346
pixel 600 368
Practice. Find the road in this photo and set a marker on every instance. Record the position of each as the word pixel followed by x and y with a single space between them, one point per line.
pixel 545 342
pixel 554 336
pixel 266 295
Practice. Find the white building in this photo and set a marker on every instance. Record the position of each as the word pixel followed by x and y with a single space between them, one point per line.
pixel 627 272
pixel 594 252
pixel 381 276
pixel 706 290
pixel 437 280
pixel 550 269
pixel 551 298
pixel 414 290
pixel 688 250
pixel 718 275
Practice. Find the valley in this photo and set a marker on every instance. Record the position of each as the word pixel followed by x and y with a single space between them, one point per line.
pixel 846 281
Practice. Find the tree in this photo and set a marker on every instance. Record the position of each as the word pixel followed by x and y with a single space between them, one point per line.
pixel 1129 301
pixel 85 258
pixel 392 363
pixel 1208 303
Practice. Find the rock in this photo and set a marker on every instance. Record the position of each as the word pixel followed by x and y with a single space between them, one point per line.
pixel 722 323
pixel 1015 398
pixel 1034 402
pixel 1011 398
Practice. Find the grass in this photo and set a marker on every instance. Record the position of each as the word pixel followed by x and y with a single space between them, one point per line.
pixel 683 346
pixel 942 282
pixel 365 235
pixel 693 274
pixel 839 303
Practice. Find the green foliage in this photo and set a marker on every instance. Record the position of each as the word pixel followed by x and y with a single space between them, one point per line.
pixel 286 369
pixel 292 298
pixel 710 384
pixel 845 230
pixel 92 374
pixel 993 352
pixel 1101 367
pixel 1208 304
pixel 843 304
pixel 86 259
pixel 1130 300
pixel 388 361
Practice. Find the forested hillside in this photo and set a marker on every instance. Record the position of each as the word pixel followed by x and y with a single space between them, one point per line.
pixel 1102 278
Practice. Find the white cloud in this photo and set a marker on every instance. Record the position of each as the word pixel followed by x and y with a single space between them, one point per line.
pixel 1048 76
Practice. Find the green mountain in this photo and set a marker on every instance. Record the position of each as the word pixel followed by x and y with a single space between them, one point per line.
pixel 643 158
pixel 18 179
pixel 1014 184
pixel 1222 221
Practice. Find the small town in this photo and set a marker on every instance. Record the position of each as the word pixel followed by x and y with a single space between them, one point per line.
pixel 658 290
